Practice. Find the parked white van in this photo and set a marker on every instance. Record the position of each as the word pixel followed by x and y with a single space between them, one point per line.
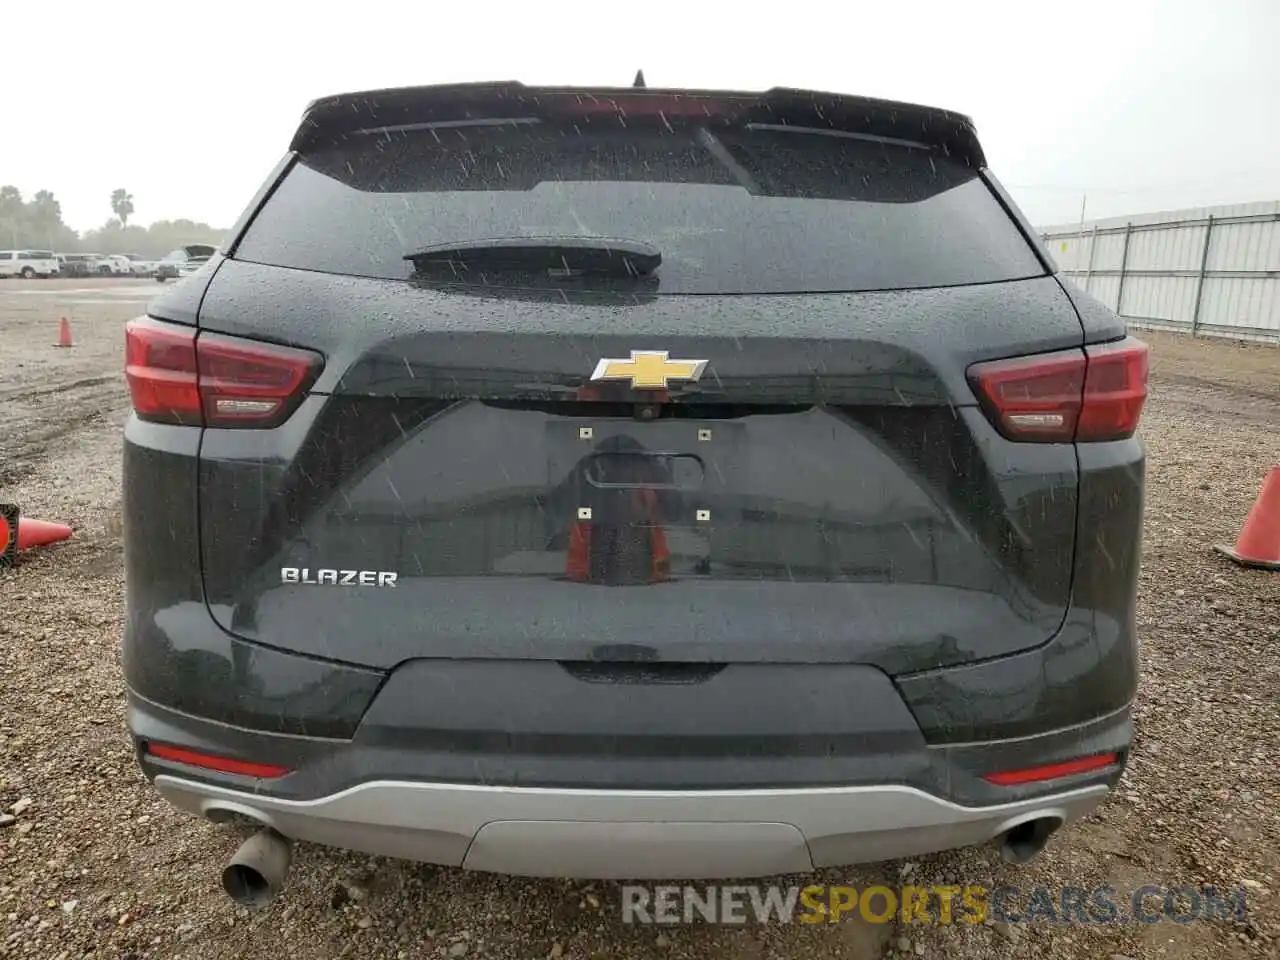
pixel 28 263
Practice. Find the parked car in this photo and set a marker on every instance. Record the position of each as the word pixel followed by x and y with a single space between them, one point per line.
pixel 110 264
pixel 75 264
pixel 116 264
pixel 96 263
pixel 141 266
pixel 184 261
pixel 28 264
pixel 772 505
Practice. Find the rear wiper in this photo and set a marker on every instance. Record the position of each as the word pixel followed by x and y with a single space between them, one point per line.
pixel 553 257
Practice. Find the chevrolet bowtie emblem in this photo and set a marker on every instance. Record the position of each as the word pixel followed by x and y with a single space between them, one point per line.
pixel 649 369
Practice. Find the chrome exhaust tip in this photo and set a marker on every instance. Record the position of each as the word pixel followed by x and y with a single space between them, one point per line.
pixel 258 869
pixel 1022 842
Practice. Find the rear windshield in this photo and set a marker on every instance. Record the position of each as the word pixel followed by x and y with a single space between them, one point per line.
pixel 745 210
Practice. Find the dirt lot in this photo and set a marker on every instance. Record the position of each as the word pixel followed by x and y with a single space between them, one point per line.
pixel 95 866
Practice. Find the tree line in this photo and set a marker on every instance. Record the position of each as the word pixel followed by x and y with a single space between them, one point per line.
pixel 37 224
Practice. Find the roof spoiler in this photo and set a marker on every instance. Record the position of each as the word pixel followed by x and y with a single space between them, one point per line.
pixel 331 119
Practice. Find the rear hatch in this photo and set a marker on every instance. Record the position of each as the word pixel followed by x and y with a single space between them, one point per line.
pixel 680 378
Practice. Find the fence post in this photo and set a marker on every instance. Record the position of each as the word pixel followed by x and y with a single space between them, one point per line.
pixel 1124 264
pixel 1204 262
pixel 1093 245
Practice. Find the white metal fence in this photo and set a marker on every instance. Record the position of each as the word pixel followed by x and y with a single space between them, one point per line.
pixel 1212 271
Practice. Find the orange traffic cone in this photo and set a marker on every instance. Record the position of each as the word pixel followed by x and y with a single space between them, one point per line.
pixel 1259 541
pixel 8 533
pixel 19 534
pixel 40 533
pixel 64 334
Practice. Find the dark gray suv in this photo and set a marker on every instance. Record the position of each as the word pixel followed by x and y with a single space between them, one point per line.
pixel 632 483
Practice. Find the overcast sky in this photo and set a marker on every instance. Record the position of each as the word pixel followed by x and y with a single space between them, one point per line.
pixel 1143 104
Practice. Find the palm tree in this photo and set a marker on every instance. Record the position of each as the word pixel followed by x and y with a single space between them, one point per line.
pixel 122 205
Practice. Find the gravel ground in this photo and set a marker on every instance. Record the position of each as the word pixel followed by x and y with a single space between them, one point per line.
pixel 92 864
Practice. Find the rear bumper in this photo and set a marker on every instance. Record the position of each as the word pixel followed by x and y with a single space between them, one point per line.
pixel 402 801
pixel 619 834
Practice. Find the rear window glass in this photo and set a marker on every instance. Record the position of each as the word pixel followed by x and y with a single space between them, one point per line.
pixel 746 210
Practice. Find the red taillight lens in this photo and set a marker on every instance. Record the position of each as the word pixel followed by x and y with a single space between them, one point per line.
pixel 1115 389
pixel 160 367
pixel 248 383
pixel 208 761
pixel 178 376
pixel 1033 398
pixel 1053 771
pixel 1084 395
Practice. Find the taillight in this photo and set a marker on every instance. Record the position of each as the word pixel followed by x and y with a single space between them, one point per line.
pixel 1092 394
pixel 243 383
pixel 1033 398
pixel 177 375
pixel 160 367
pixel 1115 389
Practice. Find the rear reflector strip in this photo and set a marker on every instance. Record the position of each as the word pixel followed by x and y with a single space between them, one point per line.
pixel 1092 394
pixel 206 761
pixel 177 375
pixel 1052 771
